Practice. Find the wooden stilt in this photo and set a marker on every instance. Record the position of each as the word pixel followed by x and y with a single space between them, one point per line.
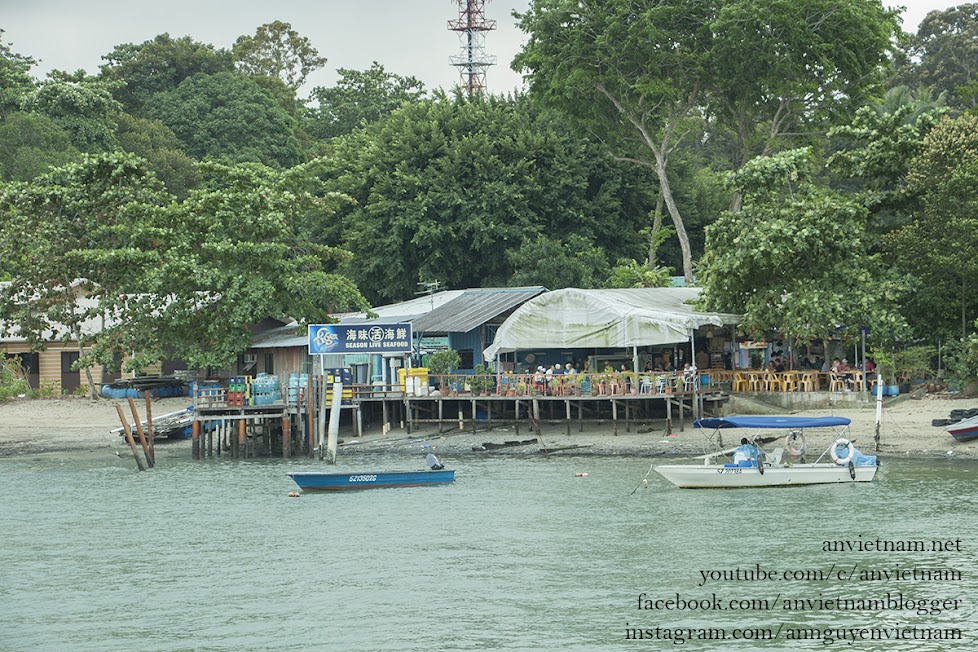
pixel 242 439
pixel 567 408
pixel 461 421
pixel 473 416
pixel 614 414
pixel 286 437
pixel 517 408
pixel 132 444
pixel 195 438
pixel 580 414
pixel 139 431
pixel 149 427
pixel 682 414
pixel 668 416
pixel 441 405
pixel 310 416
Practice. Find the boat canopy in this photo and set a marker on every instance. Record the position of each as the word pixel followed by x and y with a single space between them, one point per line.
pixel 771 422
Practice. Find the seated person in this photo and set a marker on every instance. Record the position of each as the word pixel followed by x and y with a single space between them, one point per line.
pixel 746 452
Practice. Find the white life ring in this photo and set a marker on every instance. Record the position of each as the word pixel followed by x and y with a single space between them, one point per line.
pixel 789 444
pixel 842 461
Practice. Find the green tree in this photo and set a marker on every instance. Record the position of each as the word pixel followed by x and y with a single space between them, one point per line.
pixel 157 66
pixel 228 116
pixel 875 149
pixel 30 144
pixel 445 186
pixel 83 107
pixel 69 244
pixel 277 50
pixel 359 97
pixel 227 257
pixel 15 78
pixel 797 258
pixel 766 70
pixel 943 55
pixel 158 145
pixel 557 264
pixel 788 69
pixel 938 245
pixel 604 64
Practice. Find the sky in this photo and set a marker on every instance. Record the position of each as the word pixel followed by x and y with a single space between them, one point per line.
pixel 408 37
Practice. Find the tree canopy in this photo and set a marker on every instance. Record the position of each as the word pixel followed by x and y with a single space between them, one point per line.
pixel 228 116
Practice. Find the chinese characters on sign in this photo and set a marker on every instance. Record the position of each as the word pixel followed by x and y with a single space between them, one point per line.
pixel 359 338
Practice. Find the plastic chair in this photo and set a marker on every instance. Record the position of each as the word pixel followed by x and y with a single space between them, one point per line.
pixel 807 383
pixel 773 382
pixel 836 383
pixel 740 383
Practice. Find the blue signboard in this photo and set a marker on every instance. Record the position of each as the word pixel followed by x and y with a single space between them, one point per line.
pixel 359 338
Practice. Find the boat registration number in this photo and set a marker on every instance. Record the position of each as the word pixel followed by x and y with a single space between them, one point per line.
pixel 730 470
pixel 363 478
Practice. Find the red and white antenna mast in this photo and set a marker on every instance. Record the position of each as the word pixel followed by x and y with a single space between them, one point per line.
pixel 473 61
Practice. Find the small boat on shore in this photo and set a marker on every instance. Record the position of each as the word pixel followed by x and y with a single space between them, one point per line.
pixel 964 430
pixel 316 481
pixel 784 466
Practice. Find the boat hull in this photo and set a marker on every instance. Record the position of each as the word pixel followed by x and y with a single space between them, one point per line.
pixel 712 476
pixel 315 481
pixel 964 430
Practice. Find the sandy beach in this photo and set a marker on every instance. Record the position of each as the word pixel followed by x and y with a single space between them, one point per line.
pixel 79 424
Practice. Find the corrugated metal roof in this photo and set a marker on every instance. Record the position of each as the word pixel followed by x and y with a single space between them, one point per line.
pixel 473 308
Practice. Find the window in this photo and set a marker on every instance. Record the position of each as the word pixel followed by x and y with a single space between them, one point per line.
pixel 468 359
pixel 269 363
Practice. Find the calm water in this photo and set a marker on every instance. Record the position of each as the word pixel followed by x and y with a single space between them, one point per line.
pixel 517 554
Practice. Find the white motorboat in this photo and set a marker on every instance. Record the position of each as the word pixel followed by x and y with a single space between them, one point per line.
pixel 783 466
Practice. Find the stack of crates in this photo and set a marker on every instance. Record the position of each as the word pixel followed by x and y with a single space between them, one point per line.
pixel 238 391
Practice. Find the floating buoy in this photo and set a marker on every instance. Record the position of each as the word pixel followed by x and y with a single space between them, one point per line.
pixel 580 475
pixel 294 494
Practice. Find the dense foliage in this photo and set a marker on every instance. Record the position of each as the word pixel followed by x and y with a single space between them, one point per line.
pixel 187 189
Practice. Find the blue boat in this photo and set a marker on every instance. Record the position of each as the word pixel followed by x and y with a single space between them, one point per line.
pixel 316 481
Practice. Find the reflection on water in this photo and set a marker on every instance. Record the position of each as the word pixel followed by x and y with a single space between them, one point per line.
pixel 517 554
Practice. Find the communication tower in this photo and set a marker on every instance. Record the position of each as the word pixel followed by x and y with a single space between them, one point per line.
pixel 473 61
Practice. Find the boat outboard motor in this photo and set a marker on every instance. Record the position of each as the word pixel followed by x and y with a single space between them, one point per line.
pixel 433 462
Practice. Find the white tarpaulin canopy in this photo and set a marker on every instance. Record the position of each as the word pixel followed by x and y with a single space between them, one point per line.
pixel 581 319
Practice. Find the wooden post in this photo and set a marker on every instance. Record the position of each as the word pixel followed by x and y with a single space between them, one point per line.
pixel 149 427
pixel 580 414
pixel 517 412
pixel 195 436
pixel 286 437
pixel 385 426
pixel 334 423
pixel 474 408
pixel 567 409
pixel 407 411
pixel 132 444
pixel 461 422
pixel 322 416
pixel 668 416
pixel 682 414
pixel 614 414
pixel 139 430
pixel 535 420
pixel 441 405
pixel 310 419
pixel 242 439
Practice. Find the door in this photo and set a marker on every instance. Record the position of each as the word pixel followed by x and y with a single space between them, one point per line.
pixel 70 380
